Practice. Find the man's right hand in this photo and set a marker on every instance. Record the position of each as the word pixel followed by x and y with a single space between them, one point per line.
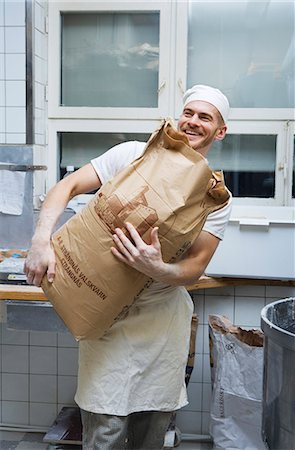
pixel 40 260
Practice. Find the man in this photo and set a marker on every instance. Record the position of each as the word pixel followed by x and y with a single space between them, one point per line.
pixel 131 379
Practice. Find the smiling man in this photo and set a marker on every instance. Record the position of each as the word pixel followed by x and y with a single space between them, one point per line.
pixel 132 378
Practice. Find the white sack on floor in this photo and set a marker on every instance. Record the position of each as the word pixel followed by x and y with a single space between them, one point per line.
pixel 236 358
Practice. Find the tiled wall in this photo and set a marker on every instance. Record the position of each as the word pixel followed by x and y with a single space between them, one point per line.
pixel 39 368
pixel 40 70
pixel 12 72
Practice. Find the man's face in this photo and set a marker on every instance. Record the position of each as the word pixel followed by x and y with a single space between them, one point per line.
pixel 202 124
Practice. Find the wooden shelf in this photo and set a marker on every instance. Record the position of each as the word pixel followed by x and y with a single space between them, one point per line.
pixel 24 292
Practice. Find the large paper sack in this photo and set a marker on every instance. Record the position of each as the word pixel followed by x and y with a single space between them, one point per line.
pixel 236 357
pixel 170 186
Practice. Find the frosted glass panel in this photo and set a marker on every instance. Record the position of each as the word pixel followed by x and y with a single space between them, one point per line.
pixel 246 48
pixel 77 149
pixel 110 59
pixel 248 162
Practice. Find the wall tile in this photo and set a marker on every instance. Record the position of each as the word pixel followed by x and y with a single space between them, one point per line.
pixel 206 398
pixel 1 13
pixel 66 389
pixel 43 388
pixel 219 305
pixel 15 358
pixel 1 39
pixel 206 368
pixel 2 119
pixel 15 138
pixel 15 387
pixel 40 68
pixel 248 311
pixel 2 138
pixel 2 71
pixel 2 93
pixel 200 339
pixel 42 414
pixel 15 413
pixel 15 13
pixel 15 66
pixel 194 396
pixel 205 424
pixel 39 44
pixel 250 291
pixel 46 338
pixel 40 139
pixel 39 96
pixel 190 421
pixel 43 360
pixel 39 17
pixel 280 292
pixel 15 120
pixel 67 340
pixel 67 361
pixel 16 337
pixel 15 40
pixel 197 373
pixel 199 307
pixel 15 93
pixel 221 291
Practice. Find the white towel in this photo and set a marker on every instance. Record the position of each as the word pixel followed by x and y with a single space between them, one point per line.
pixel 12 190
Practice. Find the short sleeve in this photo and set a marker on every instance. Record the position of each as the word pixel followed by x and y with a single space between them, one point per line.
pixel 217 221
pixel 116 159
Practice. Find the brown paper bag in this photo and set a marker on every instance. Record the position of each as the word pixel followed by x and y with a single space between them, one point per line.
pixel 170 186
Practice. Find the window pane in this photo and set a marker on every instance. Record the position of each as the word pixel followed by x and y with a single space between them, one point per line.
pixel 110 59
pixel 248 162
pixel 77 149
pixel 245 48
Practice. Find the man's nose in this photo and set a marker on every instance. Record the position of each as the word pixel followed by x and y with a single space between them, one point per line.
pixel 194 120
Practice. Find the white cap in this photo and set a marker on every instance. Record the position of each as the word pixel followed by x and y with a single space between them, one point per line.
pixel 210 95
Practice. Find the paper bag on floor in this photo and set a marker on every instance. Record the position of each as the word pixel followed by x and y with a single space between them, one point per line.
pixel 170 186
pixel 236 359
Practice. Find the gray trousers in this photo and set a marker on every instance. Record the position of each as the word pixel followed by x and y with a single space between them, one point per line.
pixel 137 431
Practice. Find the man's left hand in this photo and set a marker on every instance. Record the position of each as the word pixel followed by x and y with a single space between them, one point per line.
pixel 146 258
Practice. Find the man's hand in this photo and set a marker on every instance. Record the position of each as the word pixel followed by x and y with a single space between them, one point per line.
pixel 137 254
pixel 40 260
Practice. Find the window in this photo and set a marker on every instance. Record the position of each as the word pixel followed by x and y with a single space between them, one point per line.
pixel 107 55
pixel 248 162
pixel 109 59
pixel 77 149
pixel 246 48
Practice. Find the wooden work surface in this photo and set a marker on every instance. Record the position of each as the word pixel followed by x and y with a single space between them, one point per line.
pixel 23 292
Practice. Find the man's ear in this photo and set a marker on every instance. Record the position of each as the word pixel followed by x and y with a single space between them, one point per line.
pixel 220 134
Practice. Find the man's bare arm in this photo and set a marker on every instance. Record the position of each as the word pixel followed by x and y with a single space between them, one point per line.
pixel 148 258
pixel 41 259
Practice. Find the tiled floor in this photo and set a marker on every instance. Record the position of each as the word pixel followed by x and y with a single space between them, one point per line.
pixel 16 440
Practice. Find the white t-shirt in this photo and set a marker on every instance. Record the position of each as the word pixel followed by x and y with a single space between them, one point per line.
pixel 139 365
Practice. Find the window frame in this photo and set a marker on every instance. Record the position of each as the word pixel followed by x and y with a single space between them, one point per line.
pixel 55 9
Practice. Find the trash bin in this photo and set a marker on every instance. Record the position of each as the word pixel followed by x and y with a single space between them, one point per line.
pixel 278 419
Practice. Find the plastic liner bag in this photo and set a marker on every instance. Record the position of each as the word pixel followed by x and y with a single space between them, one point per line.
pixel 236 360
pixel 170 186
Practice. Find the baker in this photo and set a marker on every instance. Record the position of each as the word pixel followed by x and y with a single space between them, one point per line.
pixel 133 378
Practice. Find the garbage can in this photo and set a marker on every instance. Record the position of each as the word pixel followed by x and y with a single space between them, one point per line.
pixel 278 418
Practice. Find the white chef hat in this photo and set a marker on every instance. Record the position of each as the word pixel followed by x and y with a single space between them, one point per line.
pixel 210 95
